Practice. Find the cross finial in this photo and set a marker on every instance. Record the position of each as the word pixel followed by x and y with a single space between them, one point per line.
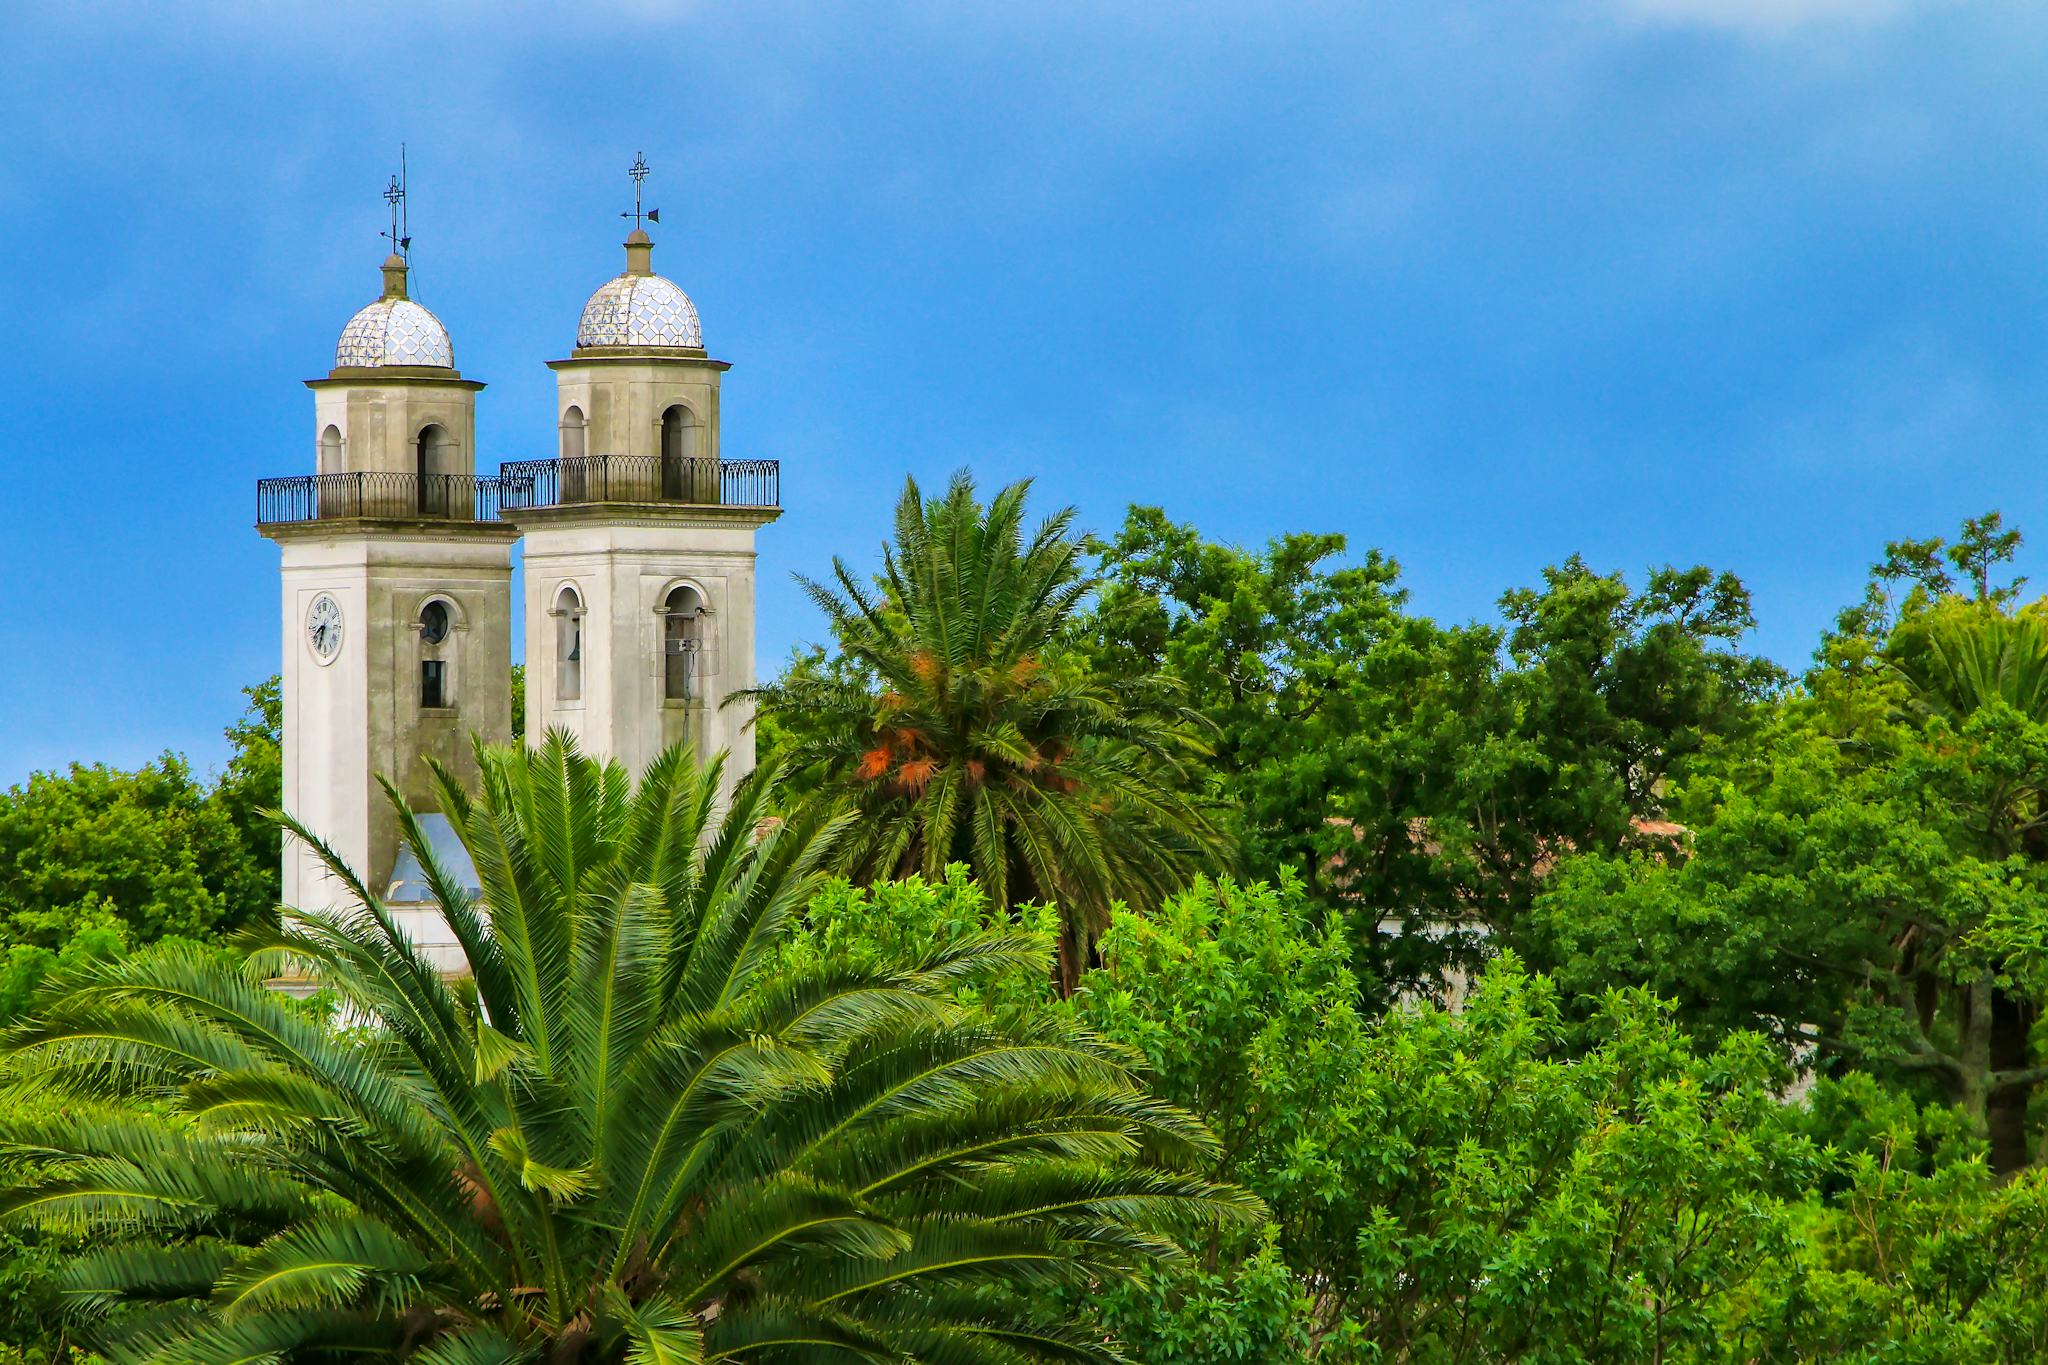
pixel 639 173
pixel 394 195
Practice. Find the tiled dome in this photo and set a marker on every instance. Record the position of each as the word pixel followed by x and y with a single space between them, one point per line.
pixel 640 310
pixel 394 332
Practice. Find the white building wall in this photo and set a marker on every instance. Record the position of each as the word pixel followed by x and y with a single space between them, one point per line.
pixel 623 565
pixel 358 717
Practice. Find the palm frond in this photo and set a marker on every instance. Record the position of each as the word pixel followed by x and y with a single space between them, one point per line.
pixel 633 1133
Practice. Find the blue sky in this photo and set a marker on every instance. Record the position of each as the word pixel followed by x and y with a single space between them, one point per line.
pixel 1756 283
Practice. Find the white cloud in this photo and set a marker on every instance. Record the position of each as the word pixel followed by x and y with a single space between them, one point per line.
pixel 1767 16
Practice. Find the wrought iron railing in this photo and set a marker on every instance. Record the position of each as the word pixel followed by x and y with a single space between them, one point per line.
pixel 334 497
pixel 639 478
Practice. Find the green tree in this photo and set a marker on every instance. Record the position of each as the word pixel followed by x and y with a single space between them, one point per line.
pixel 1862 911
pixel 1448 1187
pixel 1337 713
pixel 1919 1254
pixel 626 1134
pixel 250 788
pixel 1867 882
pixel 1428 776
pixel 25 966
pixel 152 852
pixel 980 742
pixel 147 848
pixel 1978 680
pixel 779 733
pixel 1914 574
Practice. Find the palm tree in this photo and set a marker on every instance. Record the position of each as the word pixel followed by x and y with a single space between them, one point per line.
pixel 1958 657
pixel 963 737
pixel 1961 659
pixel 626 1134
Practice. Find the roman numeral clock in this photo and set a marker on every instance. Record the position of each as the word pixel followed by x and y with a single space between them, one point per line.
pixel 323 628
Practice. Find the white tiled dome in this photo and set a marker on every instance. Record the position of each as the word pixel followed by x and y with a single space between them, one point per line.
pixel 640 310
pixel 394 332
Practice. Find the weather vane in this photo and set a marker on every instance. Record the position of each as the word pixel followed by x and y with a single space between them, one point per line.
pixel 401 219
pixel 639 173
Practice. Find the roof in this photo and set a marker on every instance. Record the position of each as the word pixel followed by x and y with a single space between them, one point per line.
pixel 393 332
pixel 639 311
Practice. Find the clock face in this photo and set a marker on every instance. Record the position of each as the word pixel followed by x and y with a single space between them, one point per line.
pixel 323 628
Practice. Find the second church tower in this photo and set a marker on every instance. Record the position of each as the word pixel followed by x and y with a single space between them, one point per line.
pixel 639 537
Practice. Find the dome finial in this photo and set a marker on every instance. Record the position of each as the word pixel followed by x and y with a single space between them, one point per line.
pixel 639 253
pixel 394 276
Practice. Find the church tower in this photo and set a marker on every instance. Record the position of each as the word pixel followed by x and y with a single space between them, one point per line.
pixel 397 592
pixel 639 536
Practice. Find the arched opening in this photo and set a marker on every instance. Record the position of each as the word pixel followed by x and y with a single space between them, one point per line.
pixel 437 470
pixel 334 495
pixel 678 452
pixel 685 658
pixel 572 433
pixel 568 614
pixel 437 683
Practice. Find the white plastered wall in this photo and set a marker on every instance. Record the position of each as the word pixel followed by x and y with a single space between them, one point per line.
pixel 622 400
pixel 348 721
pixel 623 568
pixel 380 421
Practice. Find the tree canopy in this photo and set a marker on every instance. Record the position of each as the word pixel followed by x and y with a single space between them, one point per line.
pixel 1154 941
pixel 959 732
pixel 623 1134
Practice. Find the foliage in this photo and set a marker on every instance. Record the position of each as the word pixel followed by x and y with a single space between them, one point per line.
pixel 250 788
pixel 153 852
pixel 1243 1306
pixel 778 733
pixel 980 743
pixel 1335 710
pixel 145 848
pixel 1915 574
pixel 1426 775
pixel 32 1330
pixel 1451 1187
pixel 880 927
pixel 26 965
pixel 634 1131
pixel 1922 1255
pixel 1867 879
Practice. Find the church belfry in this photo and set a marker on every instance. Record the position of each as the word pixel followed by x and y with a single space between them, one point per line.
pixel 639 535
pixel 397 576
pixel 397 590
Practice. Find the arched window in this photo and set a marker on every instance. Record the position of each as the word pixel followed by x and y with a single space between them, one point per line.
pixel 437 687
pixel 572 433
pixel 330 450
pixel 678 452
pixel 437 470
pixel 568 616
pixel 685 658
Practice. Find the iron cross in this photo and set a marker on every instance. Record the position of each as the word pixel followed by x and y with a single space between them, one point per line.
pixel 394 195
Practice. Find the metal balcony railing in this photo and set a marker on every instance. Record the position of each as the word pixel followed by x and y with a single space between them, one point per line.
pixel 408 497
pixel 639 478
